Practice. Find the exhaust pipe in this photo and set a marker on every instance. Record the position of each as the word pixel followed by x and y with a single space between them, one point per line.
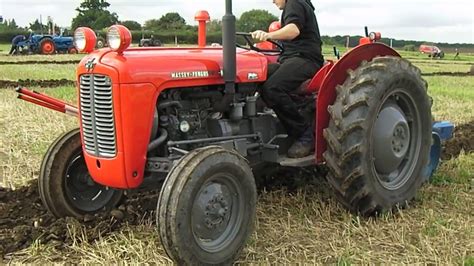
pixel 228 42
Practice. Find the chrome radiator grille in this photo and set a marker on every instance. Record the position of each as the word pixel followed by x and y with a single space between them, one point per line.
pixel 97 115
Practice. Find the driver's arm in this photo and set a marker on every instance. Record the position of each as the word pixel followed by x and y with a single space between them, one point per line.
pixel 287 33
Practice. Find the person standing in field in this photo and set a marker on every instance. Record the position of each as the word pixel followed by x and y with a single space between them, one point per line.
pixel 301 59
pixel 456 56
pixel 15 41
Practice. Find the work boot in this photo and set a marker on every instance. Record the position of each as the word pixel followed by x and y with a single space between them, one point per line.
pixel 304 146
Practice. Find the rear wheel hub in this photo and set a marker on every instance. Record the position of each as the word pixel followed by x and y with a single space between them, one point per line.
pixel 391 139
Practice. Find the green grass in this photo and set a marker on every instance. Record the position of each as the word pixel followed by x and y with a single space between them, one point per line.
pixel 306 226
pixel 38 72
pixel 453 98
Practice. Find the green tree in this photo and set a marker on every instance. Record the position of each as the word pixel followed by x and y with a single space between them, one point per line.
pixel 255 19
pixel 152 24
pixel 36 26
pixel 12 24
pixel 214 25
pixel 131 24
pixel 94 14
pixel 171 21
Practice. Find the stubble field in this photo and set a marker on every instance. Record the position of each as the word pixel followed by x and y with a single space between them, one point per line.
pixel 298 221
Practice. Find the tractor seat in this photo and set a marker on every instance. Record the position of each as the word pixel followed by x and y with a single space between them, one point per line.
pixel 311 86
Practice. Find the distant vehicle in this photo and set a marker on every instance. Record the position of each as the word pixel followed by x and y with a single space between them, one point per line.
pixel 1 19
pixel 149 42
pixel 432 51
pixel 47 44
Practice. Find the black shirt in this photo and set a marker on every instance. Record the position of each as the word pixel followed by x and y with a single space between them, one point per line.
pixel 308 43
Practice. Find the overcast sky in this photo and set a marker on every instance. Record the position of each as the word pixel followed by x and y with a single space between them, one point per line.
pixel 425 20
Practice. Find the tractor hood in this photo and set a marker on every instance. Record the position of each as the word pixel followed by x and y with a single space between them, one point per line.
pixel 175 67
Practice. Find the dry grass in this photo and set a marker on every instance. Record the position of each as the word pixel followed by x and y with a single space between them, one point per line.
pixel 302 226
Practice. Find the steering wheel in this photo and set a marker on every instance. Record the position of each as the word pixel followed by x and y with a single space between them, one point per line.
pixel 248 38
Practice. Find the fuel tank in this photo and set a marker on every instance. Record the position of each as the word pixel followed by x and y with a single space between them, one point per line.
pixel 197 66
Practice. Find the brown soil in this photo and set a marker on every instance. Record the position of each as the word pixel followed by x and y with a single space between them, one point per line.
pixel 23 219
pixel 463 140
pixel 36 83
pixel 453 74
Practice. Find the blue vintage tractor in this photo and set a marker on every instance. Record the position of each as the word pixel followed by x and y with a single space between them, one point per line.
pixel 48 44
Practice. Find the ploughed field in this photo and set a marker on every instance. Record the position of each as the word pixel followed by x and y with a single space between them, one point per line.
pixel 298 220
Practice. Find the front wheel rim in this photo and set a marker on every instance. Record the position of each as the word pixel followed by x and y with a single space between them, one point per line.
pixel 83 193
pixel 396 146
pixel 217 213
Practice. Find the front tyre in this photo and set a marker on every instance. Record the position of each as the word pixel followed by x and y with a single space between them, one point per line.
pixel 379 136
pixel 65 186
pixel 207 206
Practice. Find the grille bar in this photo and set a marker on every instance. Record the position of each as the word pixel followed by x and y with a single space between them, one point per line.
pixel 97 115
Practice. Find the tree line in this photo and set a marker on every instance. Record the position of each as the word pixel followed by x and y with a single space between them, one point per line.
pixel 95 14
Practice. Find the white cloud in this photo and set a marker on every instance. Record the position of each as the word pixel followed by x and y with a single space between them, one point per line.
pixel 430 20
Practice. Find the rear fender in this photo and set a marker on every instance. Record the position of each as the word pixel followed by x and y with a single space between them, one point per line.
pixel 336 75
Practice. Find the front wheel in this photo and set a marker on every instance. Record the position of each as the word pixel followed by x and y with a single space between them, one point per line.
pixel 207 206
pixel 379 136
pixel 65 186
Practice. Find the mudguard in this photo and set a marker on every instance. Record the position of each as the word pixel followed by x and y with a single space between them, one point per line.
pixel 336 75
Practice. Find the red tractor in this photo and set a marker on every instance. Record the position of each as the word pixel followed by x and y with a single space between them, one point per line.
pixel 192 119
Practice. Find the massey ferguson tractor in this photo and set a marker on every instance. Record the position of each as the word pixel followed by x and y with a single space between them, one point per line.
pixel 192 119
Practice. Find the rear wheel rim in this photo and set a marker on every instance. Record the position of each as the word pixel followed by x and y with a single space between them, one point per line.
pixel 47 47
pixel 84 194
pixel 217 213
pixel 396 146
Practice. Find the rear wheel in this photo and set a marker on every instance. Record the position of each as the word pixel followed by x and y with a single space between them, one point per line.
pixel 379 136
pixel 65 186
pixel 47 46
pixel 207 205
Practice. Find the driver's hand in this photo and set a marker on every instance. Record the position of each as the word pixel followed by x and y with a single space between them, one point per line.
pixel 260 35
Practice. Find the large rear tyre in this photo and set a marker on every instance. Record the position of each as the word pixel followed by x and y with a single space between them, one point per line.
pixel 379 136
pixel 65 186
pixel 207 206
pixel 47 46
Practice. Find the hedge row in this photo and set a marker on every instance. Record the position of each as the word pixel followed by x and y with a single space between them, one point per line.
pixel 6 36
pixel 190 37
pixel 182 37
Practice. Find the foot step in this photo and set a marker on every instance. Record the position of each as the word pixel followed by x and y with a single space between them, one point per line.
pixel 298 162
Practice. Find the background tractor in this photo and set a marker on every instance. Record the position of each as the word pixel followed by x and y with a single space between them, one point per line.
pixel 48 44
pixel 192 120
pixel 146 42
pixel 432 51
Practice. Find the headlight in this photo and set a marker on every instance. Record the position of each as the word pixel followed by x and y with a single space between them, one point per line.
pixel 119 38
pixel 375 36
pixel 84 39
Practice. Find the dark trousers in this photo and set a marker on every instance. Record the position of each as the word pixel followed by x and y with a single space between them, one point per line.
pixel 282 80
pixel 14 49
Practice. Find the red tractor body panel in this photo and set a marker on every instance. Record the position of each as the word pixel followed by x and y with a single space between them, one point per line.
pixel 336 75
pixel 138 76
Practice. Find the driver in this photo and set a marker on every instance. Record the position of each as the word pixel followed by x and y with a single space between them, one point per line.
pixel 300 60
